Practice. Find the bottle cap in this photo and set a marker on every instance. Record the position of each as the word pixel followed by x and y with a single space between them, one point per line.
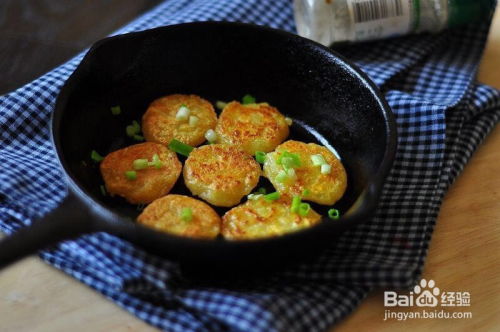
pixel 469 11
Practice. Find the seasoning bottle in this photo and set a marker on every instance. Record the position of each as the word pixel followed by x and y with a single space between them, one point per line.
pixel 333 21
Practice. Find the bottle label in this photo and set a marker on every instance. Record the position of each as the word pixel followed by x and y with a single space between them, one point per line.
pixel 375 19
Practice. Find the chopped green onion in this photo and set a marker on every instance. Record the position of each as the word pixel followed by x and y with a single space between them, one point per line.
pixel 140 164
pixel 306 192
pixel 272 196
pixel 260 156
pixel 138 138
pixel 103 190
pixel 290 173
pixel 211 136
pixel 220 104
pixel 281 177
pixel 295 204
pixel 288 121
pixel 137 126
pixel 333 214
pixel 254 196
pixel 131 175
pixel 95 156
pixel 304 209
pixel 193 120
pixel 116 110
pixel 180 148
pixel 156 162
pixel 289 160
pixel 326 169
pixel 130 130
pixel 186 214
pixel 133 129
pixel 317 160
pixel 248 99
pixel 261 190
pixel 182 113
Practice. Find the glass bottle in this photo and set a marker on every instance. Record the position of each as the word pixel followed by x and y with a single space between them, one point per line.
pixel 332 21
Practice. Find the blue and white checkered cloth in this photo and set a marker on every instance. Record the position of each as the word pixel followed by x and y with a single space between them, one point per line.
pixel 442 116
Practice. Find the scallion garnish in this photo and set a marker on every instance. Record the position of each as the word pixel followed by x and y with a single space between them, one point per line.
pixel 333 214
pixel 289 160
pixel 281 177
pixel 306 192
pixel 272 196
pixel 254 196
pixel 288 121
pixel 220 104
pixel 318 160
pixel 295 204
pixel 131 175
pixel 156 162
pixel 326 169
pixel 290 173
pixel 136 125
pixel 140 164
pixel 133 129
pixel 193 120
pixel 103 190
pixel 116 110
pixel 248 99
pixel 304 209
pixel 261 190
pixel 260 156
pixel 186 214
pixel 180 148
pixel 182 113
pixel 211 135
pixel 95 156
pixel 130 130
pixel 138 138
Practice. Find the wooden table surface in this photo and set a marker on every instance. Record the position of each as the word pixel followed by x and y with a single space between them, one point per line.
pixel 464 255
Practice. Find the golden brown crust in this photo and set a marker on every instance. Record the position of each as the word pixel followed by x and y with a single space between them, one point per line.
pixel 324 189
pixel 151 183
pixel 164 214
pixel 160 125
pixel 252 127
pixel 220 174
pixel 259 218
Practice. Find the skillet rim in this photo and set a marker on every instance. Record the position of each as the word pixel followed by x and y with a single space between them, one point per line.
pixel 367 200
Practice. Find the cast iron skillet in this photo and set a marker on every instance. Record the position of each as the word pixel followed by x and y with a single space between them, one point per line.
pixel 331 101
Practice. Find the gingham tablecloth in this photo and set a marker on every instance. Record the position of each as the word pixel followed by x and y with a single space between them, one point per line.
pixel 442 116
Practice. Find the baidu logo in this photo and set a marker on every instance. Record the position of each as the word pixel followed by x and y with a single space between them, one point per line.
pixel 425 297
pixel 425 294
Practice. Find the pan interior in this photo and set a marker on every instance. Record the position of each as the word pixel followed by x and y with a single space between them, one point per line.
pixel 329 103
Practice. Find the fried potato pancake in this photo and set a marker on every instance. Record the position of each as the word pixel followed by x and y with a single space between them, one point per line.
pixel 165 214
pixel 151 183
pixel 258 218
pixel 252 127
pixel 323 189
pixel 221 174
pixel 160 123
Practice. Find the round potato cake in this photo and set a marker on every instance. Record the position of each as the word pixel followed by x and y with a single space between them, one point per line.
pixel 161 122
pixel 252 127
pixel 150 183
pixel 166 214
pixel 221 174
pixel 322 188
pixel 258 218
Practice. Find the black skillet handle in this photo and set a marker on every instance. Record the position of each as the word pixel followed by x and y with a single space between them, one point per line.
pixel 70 219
